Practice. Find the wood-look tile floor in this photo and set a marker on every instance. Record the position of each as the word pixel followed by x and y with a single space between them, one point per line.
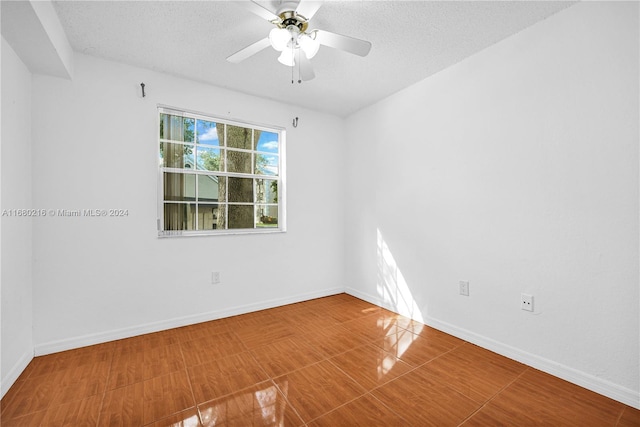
pixel 334 361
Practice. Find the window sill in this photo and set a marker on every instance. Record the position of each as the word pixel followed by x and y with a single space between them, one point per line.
pixel 266 230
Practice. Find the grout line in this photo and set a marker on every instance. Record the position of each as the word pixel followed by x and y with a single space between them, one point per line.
pixel 495 395
pixel 289 405
pixel 106 385
pixel 624 408
pixel 619 417
pixel 339 406
pixel 413 368
pixel 186 371
pixel 367 391
pixel 386 406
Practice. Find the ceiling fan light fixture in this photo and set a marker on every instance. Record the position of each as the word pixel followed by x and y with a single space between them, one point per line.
pixel 291 39
pixel 286 58
pixel 279 38
pixel 309 45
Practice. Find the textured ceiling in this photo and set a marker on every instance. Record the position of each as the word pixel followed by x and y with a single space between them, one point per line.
pixel 411 41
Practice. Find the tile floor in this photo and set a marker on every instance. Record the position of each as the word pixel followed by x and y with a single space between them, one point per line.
pixel 334 361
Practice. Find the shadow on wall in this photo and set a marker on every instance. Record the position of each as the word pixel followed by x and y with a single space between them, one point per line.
pixel 391 284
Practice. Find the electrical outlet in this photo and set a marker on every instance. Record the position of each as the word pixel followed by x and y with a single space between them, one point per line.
pixel 215 277
pixel 526 302
pixel 464 287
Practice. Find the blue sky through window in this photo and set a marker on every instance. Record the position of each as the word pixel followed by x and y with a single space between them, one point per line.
pixel 268 142
pixel 207 133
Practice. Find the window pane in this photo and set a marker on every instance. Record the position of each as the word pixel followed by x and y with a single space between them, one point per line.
pixel 266 191
pixel 267 141
pixel 240 190
pixel 209 188
pixel 238 137
pixel 238 161
pixel 176 128
pixel 208 216
pixel 208 133
pixel 196 156
pixel 179 216
pixel 209 159
pixel 241 216
pixel 266 216
pixel 179 186
pixel 266 164
pixel 222 188
pixel 176 155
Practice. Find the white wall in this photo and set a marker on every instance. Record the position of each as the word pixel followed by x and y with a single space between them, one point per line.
pixel 95 147
pixel 516 169
pixel 16 276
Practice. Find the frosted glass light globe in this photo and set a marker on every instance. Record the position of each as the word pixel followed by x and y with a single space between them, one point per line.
pixel 309 45
pixel 286 58
pixel 279 38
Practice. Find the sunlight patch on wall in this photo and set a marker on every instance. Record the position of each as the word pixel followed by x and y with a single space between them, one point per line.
pixel 391 284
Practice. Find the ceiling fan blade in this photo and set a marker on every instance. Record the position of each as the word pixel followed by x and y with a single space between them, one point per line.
pixel 259 10
pixel 248 51
pixel 308 8
pixel 346 43
pixel 306 69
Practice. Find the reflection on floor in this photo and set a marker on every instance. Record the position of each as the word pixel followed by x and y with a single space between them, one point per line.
pixel 334 361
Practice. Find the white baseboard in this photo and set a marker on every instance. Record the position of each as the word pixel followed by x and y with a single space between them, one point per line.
pixel 582 379
pixel 9 378
pixel 102 337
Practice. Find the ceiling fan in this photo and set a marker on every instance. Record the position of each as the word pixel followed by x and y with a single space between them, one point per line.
pixel 292 37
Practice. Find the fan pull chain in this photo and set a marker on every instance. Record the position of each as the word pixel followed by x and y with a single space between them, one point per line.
pixel 292 57
pixel 300 53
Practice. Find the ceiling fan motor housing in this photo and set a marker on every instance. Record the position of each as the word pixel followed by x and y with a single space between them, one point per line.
pixel 291 18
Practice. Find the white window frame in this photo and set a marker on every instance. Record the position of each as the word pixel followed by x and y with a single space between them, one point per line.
pixel 280 178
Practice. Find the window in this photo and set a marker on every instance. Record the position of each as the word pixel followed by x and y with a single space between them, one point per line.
pixel 218 176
